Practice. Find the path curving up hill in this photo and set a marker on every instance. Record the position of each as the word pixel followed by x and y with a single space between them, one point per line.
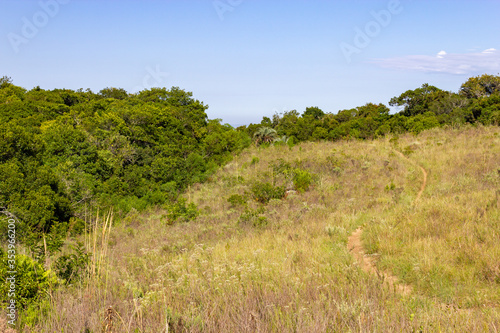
pixel 367 263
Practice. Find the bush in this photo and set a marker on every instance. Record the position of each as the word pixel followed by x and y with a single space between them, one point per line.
pixel 70 267
pixel 292 141
pixel 422 122
pixel 302 179
pixel 32 281
pixel 263 192
pixel 253 217
pixel 181 211
pixel 237 200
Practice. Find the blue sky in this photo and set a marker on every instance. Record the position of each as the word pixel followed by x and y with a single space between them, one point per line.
pixel 251 58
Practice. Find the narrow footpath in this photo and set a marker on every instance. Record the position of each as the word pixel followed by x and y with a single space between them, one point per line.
pixel 367 263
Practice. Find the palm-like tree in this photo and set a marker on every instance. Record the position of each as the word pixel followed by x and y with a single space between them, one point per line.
pixel 265 135
pixel 281 139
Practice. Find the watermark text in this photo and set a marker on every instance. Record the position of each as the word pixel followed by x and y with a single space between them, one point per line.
pixel 363 37
pixel 31 27
pixel 11 269
pixel 224 6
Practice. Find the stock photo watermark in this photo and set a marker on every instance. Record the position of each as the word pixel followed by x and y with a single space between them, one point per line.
pixel 154 78
pixel 11 267
pixel 224 6
pixel 363 37
pixel 31 26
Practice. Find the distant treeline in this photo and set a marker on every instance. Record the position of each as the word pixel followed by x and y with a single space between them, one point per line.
pixel 64 151
pixel 478 101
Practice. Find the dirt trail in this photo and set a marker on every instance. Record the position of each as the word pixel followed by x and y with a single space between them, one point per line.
pixel 424 173
pixel 367 263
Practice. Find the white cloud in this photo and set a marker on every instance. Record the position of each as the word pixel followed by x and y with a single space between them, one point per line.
pixel 441 54
pixel 449 63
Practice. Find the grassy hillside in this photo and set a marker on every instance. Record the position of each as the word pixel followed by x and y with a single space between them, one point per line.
pixel 264 247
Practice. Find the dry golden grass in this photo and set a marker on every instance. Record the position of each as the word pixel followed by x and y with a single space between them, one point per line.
pixel 5 327
pixel 296 273
pixel 448 245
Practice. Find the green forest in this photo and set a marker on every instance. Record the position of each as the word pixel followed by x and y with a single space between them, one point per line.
pixel 65 152
pixel 426 107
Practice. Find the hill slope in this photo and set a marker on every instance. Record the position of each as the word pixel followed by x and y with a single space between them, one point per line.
pixel 268 251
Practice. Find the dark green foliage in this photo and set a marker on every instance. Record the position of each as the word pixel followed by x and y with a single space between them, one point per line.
pixel 264 191
pixel 423 108
pixel 422 122
pixel 419 100
pixel 313 112
pixel 253 217
pixel 286 124
pixel 299 178
pixel 302 180
pixel 116 93
pixel 221 141
pixel 63 150
pixel 449 103
pixel 71 267
pixel 486 110
pixel 237 200
pixel 181 212
pixel 480 86
pixel 32 281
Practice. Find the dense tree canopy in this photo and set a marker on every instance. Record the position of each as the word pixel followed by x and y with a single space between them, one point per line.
pixel 417 101
pixel 481 86
pixel 62 150
pixel 422 108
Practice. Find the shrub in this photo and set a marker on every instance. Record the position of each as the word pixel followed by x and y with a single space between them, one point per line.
pixel 181 211
pixel 32 281
pixel 422 122
pixel 253 217
pixel 408 150
pixel 390 187
pixel 302 179
pixel 263 192
pixel 282 167
pixel 71 267
pixel 237 200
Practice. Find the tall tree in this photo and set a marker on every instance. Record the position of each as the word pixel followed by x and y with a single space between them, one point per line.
pixel 314 112
pixel 417 101
pixel 480 86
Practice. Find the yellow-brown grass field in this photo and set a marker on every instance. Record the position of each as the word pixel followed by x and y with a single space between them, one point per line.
pixel 286 266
